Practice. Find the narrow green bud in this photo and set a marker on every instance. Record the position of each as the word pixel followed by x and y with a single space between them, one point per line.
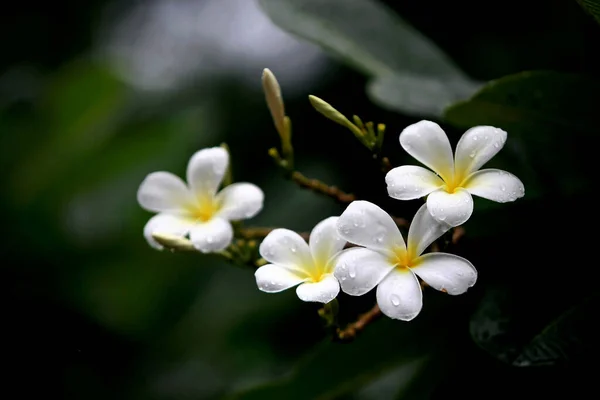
pixel 173 242
pixel 274 100
pixel 328 111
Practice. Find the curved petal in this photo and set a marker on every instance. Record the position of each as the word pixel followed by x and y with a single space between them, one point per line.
pixel 272 278
pixel 167 224
pixel 163 192
pixel 476 147
pixel 359 270
pixel 240 201
pixel 428 143
pixel 212 236
pixel 323 292
pixel 424 230
pixel 495 185
pixel 446 272
pixel 205 171
pixel 410 182
pixel 451 208
pixel 365 224
pixel 286 248
pixel 399 295
pixel 325 241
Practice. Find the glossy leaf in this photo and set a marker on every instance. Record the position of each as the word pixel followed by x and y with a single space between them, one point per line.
pixel 409 72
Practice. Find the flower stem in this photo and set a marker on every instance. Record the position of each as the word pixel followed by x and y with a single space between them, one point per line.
pixel 319 187
pixel 351 330
pixel 262 232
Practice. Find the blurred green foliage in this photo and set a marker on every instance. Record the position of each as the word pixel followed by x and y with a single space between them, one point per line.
pixel 92 312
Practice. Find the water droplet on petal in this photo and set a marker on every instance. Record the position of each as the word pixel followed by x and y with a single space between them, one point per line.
pixel 503 188
pixel 475 138
pixel 395 300
pixel 351 271
pixel 293 249
pixel 472 155
pixel 496 145
pixel 210 239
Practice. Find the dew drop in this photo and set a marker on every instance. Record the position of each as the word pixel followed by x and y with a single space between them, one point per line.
pixel 503 188
pixel 293 249
pixel 472 155
pixel 442 217
pixel 395 300
pixel 210 239
pixel 475 138
pixel 496 145
pixel 351 271
pixel 343 277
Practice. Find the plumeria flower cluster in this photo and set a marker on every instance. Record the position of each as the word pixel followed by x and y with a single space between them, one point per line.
pixel 197 210
pixel 362 249
pixel 383 259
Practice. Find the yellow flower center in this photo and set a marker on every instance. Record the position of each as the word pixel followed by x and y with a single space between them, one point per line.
pixel 455 182
pixel 204 209
pixel 403 259
pixel 317 271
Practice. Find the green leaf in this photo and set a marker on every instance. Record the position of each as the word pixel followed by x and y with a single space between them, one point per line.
pixel 592 7
pixel 409 72
pixel 513 330
pixel 550 117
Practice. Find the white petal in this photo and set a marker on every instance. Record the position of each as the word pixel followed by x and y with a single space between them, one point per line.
pixel 287 248
pixel 325 241
pixel 450 208
pixel 168 224
pixel 272 278
pixel 240 201
pixel 163 192
pixel 424 230
pixel 476 147
pixel 359 270
pixel 446 272
pixel 411 182
pixel 206 169
pixel 365 224
pixel 496 185
pixel 399 295
pixel 323 292
pixel 428 143
pixel 211 236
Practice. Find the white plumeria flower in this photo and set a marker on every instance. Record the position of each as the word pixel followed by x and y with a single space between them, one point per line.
pixel 387 262
pixel 449 192
pixel 196 208
pixel 293 261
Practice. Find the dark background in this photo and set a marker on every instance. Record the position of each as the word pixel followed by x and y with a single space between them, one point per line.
pixel 90 311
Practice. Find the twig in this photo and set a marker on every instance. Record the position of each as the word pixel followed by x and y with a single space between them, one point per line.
pixel 401 222
pixel 350 331
pixel 322 188
pixel 458 233
pixel 262 232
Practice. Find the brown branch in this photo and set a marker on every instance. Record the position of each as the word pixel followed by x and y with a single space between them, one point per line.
pixel 458 233
pixel 262 232
pixel 351 330
pixel 401 222
pixel 322 188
